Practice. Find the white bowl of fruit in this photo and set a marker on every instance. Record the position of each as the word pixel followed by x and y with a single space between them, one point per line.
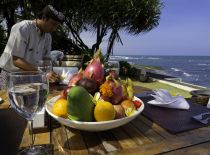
pixel 93 126
pixel 95 102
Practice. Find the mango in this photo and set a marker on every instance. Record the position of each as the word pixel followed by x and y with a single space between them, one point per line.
pixel 80 104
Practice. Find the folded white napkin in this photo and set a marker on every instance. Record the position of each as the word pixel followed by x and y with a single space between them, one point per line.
pixel 164 99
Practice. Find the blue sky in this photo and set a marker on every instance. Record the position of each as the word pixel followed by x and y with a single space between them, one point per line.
pixel 184 29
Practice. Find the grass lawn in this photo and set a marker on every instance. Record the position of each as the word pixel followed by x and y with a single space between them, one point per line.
pixel 147 67
pixel 158 85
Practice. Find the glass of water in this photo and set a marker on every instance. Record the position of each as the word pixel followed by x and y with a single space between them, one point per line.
pixel 27 93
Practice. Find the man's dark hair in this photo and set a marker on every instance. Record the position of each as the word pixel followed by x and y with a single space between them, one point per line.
pixel 50 12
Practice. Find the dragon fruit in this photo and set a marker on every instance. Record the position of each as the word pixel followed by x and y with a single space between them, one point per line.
pixel 112 89
pixel 95 70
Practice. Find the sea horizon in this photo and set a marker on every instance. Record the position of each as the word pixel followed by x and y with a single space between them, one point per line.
pixel 159 55
pixel 191 69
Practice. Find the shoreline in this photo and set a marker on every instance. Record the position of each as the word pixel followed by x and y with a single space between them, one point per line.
pixel 190 69
pixel 158 73
pixel 155 80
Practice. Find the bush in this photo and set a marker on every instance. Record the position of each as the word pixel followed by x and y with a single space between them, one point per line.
pixel 125 69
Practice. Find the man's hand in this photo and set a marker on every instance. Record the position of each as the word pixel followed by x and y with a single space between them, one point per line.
pixel 53 77
pixel 24 65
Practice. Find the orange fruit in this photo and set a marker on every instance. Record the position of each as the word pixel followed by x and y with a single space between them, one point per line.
pixel 129 107
pixel 104 111
pixel 128 104
pixel 60 107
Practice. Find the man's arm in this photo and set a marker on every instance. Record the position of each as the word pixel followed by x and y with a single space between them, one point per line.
pixel 24 65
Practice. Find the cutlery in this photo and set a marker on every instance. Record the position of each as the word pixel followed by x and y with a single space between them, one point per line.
pixel 205 121
pixel 201 116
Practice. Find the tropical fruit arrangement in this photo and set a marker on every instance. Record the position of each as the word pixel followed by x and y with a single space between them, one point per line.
pixel 93 95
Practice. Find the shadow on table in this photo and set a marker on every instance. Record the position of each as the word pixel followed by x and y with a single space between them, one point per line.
pixel 12 127
pixel 99 141
pixel 94 141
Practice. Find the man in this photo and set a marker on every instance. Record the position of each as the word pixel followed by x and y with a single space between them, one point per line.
pixel 29 42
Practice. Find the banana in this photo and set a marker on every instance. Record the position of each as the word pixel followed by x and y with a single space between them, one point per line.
pixel 129 87
pixel 124 89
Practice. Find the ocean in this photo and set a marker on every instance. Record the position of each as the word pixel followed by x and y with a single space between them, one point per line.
pixel 191 69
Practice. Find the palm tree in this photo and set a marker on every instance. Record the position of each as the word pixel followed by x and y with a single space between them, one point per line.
pixel 108 17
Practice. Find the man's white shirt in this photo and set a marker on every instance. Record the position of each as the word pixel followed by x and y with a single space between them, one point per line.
pixel 27 42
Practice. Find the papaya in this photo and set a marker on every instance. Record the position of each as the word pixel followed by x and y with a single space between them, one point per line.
pixel 80 104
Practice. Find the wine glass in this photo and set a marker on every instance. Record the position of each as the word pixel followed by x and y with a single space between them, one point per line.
pixel 27 93
pixel 45 65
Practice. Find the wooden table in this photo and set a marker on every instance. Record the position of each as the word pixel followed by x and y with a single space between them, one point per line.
pixel 140 137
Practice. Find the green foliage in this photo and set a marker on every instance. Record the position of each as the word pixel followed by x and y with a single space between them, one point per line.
pixel 125 69
pixel 134 73
pixel 86 60
pixel 104 18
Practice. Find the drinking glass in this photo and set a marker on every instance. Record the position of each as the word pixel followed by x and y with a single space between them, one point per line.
pixel 45 65
pixel 27 93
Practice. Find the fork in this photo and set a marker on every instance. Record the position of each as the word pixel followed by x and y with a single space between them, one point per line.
pixel 200 116
pixel 205 121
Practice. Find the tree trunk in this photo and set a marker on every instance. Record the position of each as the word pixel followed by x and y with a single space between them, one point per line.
pixel 111 43
pixel 101 32
pixel 76 36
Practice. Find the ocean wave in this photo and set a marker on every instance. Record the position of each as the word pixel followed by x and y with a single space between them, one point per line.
pixel 176 69
pixel 182 72
pixel 187 74
pixel 125 58
pixel 153 58
pixel 118 57
pixel 203 64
